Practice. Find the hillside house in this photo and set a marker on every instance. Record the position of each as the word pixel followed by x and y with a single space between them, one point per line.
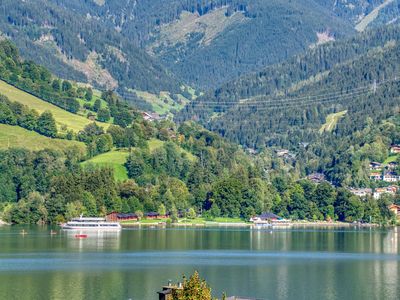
pixel 391 190
pixel 395 209
pixel 316 177
pixel 391 177
pixel 375 176
pixel 392 165
pixel 361 192
pixel 281 152
pixel 375 166
pixel 395 149
pixel 147 116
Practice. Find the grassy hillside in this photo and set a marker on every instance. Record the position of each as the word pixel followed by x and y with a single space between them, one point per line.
pixel 331 121
pixel 63 118
pixel 114 159
pixel 17 137
pixel 117 158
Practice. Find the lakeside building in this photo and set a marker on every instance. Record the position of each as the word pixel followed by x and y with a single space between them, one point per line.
pixel 118 217
pixel 167 290
pixel 155 215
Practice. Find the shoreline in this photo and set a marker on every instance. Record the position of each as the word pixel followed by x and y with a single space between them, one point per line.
pixel 296 224
pixel 2 223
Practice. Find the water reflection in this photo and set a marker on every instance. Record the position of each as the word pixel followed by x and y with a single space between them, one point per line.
pixel 279 264
pixel 93 239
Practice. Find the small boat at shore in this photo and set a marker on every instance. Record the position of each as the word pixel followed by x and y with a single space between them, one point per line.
pixel 82 223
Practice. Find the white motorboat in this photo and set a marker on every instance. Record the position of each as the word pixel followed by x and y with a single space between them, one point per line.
pixel 82 223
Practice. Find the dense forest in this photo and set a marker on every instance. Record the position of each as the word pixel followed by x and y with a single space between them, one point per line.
pixel 209 42
pixel 286 105
pixel 74 46
pixel 192 171
pixel 150 46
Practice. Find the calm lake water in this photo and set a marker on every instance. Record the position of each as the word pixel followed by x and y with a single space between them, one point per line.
pixel 306 263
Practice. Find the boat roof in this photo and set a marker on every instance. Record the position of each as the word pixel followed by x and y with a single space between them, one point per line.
pixel 88 219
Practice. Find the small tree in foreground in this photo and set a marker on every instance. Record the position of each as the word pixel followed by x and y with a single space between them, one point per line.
pixel 193 289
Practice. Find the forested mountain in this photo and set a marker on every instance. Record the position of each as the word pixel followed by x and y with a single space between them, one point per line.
pixel 203 43
pixel 80 47
pixel 209 42
pixel 288 104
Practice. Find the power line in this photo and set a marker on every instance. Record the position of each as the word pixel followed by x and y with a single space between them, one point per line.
pixel 292 100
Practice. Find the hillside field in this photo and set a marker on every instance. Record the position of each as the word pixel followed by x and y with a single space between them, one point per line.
pixel 115 159
pixel 18 137
pixel 63 117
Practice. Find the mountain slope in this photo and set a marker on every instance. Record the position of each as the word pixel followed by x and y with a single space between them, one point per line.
pixel 80 47
pixel 264 108
pixel 209 42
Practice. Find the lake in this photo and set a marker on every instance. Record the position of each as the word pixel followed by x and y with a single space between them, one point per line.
pixel 297 263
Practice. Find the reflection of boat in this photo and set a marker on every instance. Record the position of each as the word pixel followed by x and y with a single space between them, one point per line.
pixel 270 220
pixel 91 224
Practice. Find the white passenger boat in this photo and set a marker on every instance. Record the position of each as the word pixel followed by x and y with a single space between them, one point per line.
pixel 82 223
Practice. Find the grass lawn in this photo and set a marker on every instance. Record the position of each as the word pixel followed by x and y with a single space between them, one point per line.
pixel 152 221
pixel 391 158
pixel 228 220
pixel 193 221
pixel 18 137
pixel 115 159
pixel 63 117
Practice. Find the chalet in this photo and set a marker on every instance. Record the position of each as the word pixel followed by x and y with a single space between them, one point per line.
pixel 361 192
pixel 375 166
pixel 375 176
pixel 251 151
pixel 118 217
pixel 391 190
pixel 147 116
pixel 391 177
pixel 395 209
pixel 316 177
pixel 392 165
pixel 395 149
pixel 154 215
pixel 281 152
